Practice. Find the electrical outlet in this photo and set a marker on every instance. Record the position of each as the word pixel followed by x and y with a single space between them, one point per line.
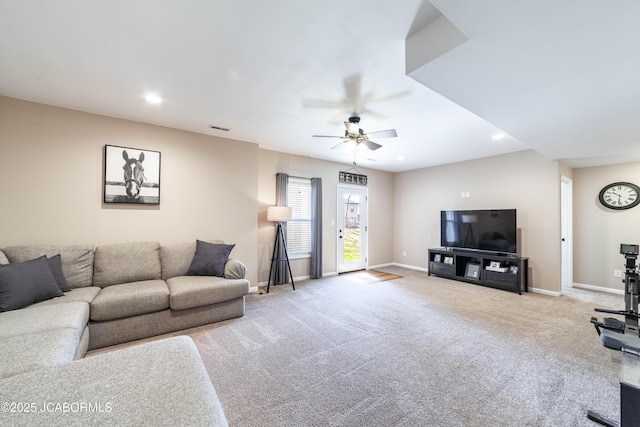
pixel 404 253
pixel 617 273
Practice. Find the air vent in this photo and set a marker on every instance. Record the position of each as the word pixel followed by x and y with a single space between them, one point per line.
pixel 218 128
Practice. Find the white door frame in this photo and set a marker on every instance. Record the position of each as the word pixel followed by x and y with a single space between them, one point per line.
pixel 341 266
pixel 566 230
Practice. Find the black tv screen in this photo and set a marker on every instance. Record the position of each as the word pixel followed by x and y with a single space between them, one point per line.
pixel 487 230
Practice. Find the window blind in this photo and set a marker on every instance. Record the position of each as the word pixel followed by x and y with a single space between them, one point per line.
pixel 299 228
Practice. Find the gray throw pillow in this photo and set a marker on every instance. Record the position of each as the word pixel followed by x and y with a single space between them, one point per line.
pixel 55 264
pixel 25 283
pixel 209 259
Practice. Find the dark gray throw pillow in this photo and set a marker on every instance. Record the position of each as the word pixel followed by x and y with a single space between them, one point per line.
pixel 26 283
pixel 55 264
pixel 209 259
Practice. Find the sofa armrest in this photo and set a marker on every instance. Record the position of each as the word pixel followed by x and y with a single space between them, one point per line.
pixel 234 269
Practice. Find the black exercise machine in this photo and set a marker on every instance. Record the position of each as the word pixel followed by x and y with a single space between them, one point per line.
pixel 625 337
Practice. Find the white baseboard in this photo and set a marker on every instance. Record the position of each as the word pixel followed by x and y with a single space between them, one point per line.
pixel 411 267
pixel 373 267
pixel 598 288
pixel 295 279
pixel 545 292
pixel 426 270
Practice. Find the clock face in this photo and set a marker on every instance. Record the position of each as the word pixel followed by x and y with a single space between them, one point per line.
pixel 620 195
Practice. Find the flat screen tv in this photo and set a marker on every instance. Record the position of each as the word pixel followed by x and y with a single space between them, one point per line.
pixel 485 230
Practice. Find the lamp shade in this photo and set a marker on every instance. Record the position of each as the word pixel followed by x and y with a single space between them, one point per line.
pixel 279 213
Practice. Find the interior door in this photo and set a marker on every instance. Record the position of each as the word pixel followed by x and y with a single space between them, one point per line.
pixel 566 218
pixel 352 220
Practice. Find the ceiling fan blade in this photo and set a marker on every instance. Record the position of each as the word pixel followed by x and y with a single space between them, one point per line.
pixel 389 133
pixel 338 144
pixel 326 136
pixel 370 144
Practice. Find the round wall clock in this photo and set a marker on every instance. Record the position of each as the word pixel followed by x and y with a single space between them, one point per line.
pixel 620 195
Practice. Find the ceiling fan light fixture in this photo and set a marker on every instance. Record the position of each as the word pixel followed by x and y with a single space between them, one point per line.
pixel 354 137
pixel 350 146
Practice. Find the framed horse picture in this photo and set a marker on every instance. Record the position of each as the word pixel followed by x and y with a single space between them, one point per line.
pixel 131 175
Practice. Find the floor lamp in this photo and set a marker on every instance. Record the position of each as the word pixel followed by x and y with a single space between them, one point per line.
pixel 279 214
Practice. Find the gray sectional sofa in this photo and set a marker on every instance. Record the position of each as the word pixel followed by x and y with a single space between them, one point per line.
pixel 117 293
pixel 160 383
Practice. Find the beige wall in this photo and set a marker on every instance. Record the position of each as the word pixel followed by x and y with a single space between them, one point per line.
pixel 524 180
pixel 598 231
pixel 380 185
pixel 51 177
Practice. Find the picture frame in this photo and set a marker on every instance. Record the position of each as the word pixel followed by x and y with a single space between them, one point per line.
pixel 131 175
pixel 472 271
pixel 437 258
pixel 513 269
pixel 494 264
pixel 448 260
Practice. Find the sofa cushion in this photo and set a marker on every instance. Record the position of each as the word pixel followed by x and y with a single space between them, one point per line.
pixel 130 299
pixel 176 258
pixel 40 336
pixel 86 295
pixel 126 262
pixel 161 383
pixel 39 349
pixel 235 269
pixel 3 258
pixel 197 291
pixel 25 283
pixel 209 259
pixel 56 268
pixel 73 315
pixel 76 260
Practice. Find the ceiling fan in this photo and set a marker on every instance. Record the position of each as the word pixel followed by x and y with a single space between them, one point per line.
pixel 356 134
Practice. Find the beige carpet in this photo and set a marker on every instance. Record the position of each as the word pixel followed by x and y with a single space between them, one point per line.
pixel 350 350
pixel 370 276
pixel 414 351
pixel 360 276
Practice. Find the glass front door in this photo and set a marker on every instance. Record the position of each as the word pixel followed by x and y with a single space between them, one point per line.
pixel 352 229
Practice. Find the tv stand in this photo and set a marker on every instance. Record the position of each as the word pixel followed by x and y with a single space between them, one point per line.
pixel 502 271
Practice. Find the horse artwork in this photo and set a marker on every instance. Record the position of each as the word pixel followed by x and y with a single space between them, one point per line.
pixel 131 176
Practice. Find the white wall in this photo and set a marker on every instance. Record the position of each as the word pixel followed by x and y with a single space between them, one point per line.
pixel 524 180
pixel 51 177
pixel 598 231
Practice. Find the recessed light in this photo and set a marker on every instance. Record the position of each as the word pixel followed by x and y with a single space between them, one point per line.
pixel 153 99
pixel 400 158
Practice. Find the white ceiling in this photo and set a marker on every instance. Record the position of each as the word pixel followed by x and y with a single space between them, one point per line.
pixel 560 77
